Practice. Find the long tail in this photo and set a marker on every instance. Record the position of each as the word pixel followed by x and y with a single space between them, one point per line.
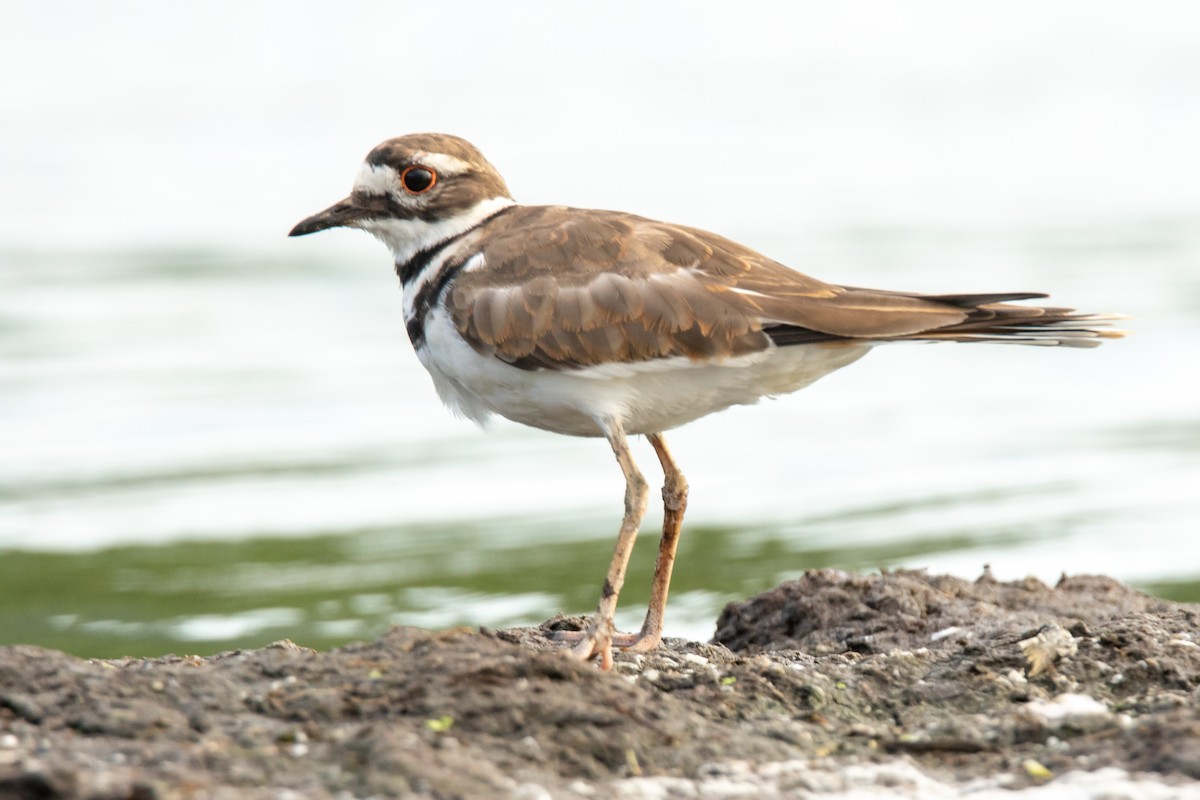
pixel 991 318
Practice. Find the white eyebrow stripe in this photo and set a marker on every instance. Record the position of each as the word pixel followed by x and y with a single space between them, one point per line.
pixel 443 164
pixel 375 179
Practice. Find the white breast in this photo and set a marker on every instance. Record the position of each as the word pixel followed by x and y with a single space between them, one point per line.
pixel 648 397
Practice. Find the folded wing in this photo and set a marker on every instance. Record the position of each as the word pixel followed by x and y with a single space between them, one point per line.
pixel 566 288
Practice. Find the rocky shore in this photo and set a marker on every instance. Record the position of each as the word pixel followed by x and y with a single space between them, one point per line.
pixel 837 685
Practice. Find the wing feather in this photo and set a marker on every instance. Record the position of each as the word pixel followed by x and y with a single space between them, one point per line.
pixel 564 288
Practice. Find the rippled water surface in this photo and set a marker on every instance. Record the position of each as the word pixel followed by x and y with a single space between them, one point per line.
pixel 211 436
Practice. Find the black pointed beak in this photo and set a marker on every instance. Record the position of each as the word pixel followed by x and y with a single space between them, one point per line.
pixel 338 215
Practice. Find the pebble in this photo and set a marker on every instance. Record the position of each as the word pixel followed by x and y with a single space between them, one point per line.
pixel 729 789
pixel 724 769
pixel 531 791
pixel 1076 710
pixel 663 788
pixel 943 633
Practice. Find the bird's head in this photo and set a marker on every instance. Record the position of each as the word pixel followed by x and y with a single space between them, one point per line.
pixel 416 190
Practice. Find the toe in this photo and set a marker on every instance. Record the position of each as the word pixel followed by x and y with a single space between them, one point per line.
pixel 592 646
pixel 644 643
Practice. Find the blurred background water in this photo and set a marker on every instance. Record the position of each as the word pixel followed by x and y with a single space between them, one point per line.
pixel 213 436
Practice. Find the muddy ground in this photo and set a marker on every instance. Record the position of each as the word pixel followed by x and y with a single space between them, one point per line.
pixel 897 683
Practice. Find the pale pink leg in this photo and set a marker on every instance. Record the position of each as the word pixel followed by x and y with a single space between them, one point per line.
pixel 674 493
pixel 599 637
pixel 596 639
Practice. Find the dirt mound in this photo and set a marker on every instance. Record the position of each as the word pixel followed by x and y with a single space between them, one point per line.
pixel 833 611
pixel 1008 683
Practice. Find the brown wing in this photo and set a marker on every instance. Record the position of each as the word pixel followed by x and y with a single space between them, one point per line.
pixel 565 287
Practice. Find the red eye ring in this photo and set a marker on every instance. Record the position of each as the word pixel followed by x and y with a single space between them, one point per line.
pixel 418 179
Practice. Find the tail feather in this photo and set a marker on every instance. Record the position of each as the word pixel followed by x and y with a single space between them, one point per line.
pixel 975 300
pixel 989 318
pixel 1002 324
pixel 969 300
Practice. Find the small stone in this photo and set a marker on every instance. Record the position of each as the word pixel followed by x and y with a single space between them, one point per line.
pixel 1079 711
pixel 531 791
pixel 776 769
pixel 723 769
pixel 943 633
pixel 659 788
pixel 726 789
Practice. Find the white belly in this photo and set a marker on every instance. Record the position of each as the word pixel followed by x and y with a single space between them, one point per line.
pixel 648 397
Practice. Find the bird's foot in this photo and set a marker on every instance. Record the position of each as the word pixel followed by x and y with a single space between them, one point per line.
pixel 598 640
pixel 595 644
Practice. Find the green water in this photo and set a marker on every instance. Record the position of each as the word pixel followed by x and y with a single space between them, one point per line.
pixel 325 590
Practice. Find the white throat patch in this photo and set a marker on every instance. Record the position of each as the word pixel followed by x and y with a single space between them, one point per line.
pixel 404 237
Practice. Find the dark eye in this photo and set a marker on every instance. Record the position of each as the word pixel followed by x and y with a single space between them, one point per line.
pixel 418 179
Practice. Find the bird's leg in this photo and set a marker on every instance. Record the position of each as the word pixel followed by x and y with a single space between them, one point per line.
pixel 597 636
pixel 674 494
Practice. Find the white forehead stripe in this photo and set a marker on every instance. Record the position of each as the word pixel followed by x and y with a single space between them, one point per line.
pixel 442 163
pixel 375 179
pixel 382 179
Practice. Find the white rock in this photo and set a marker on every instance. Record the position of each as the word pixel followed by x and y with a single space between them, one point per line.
pixel 531 791
pixel 1069 709
pixel 726 789
pixel 661 788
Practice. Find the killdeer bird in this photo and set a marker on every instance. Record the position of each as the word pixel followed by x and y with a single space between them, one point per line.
pixel 601 323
